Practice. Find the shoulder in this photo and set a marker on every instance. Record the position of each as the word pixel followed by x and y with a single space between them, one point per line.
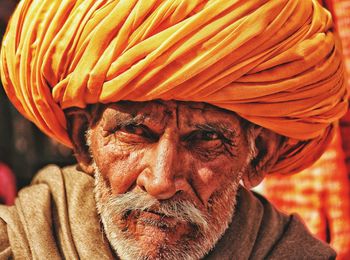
pixel 292 236
pixel 31 206
pixel 30 221
pixel 58 178
pixel 303 243
pixel 51 187
pixel 5 248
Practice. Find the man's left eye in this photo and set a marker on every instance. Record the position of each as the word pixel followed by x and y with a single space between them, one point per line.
pixel 203 136
pixel 208 136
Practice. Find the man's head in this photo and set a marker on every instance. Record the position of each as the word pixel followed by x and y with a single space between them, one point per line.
pixel 277 64
pixel 167 172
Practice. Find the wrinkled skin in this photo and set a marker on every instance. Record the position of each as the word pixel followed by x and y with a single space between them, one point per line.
pixel 164 148
pixel 172 151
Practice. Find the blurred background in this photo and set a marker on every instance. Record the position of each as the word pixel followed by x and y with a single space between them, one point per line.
pixel 23 148
pixel 320 194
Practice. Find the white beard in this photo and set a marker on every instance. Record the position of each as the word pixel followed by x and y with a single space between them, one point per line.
pixel 210 226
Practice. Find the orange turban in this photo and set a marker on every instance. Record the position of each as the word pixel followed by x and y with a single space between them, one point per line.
pixel 275 63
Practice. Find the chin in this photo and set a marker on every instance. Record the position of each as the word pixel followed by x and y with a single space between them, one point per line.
pixel 148 241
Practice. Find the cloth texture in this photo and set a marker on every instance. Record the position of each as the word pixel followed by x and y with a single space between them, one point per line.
pixel 321 195
pixel 55 218
pixel 275 63
pixel 342 13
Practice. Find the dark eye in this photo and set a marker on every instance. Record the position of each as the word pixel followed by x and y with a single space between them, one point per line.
pixel 206 136
pixel 133 129
pixel 139 130
pixel 203 136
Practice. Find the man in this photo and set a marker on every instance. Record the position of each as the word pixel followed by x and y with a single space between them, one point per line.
pixel 169 104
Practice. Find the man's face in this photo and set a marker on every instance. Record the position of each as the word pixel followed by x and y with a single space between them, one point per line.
pixel 167 174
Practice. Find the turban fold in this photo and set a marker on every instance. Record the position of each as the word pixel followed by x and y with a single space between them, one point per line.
pixel 276 63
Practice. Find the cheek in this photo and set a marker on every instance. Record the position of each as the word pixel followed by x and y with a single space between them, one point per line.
pixel 211 177
pixel 119 166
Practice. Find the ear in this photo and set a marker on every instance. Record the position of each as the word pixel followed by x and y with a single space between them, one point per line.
pixel 265 146
pixel 78 121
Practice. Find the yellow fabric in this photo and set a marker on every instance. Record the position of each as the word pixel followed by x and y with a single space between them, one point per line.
pixel 276 63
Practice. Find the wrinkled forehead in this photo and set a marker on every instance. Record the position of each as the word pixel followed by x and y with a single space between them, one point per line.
pixel 186 113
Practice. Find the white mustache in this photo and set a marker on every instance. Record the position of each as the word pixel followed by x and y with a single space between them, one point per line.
pixel 140 201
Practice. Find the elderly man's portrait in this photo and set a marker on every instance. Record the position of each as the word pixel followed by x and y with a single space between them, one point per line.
pixel 174 129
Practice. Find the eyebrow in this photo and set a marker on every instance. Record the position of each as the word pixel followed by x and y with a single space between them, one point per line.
pixel 218 127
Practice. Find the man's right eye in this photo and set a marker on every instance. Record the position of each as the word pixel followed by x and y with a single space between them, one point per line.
pixel 133 129
pixel 139 130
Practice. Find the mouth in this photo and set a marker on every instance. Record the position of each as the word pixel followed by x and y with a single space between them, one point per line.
pixel 152 218
pixel 162 215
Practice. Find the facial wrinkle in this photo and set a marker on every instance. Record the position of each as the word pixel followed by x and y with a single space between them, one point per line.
pixel 177 114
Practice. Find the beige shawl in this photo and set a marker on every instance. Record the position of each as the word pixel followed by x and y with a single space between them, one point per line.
pixel 55 218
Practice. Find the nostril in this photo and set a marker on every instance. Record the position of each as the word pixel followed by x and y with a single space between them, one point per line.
pixel 142 181
pixel 179 192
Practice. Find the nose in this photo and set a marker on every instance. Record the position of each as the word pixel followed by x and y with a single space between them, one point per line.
pixel 162 179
